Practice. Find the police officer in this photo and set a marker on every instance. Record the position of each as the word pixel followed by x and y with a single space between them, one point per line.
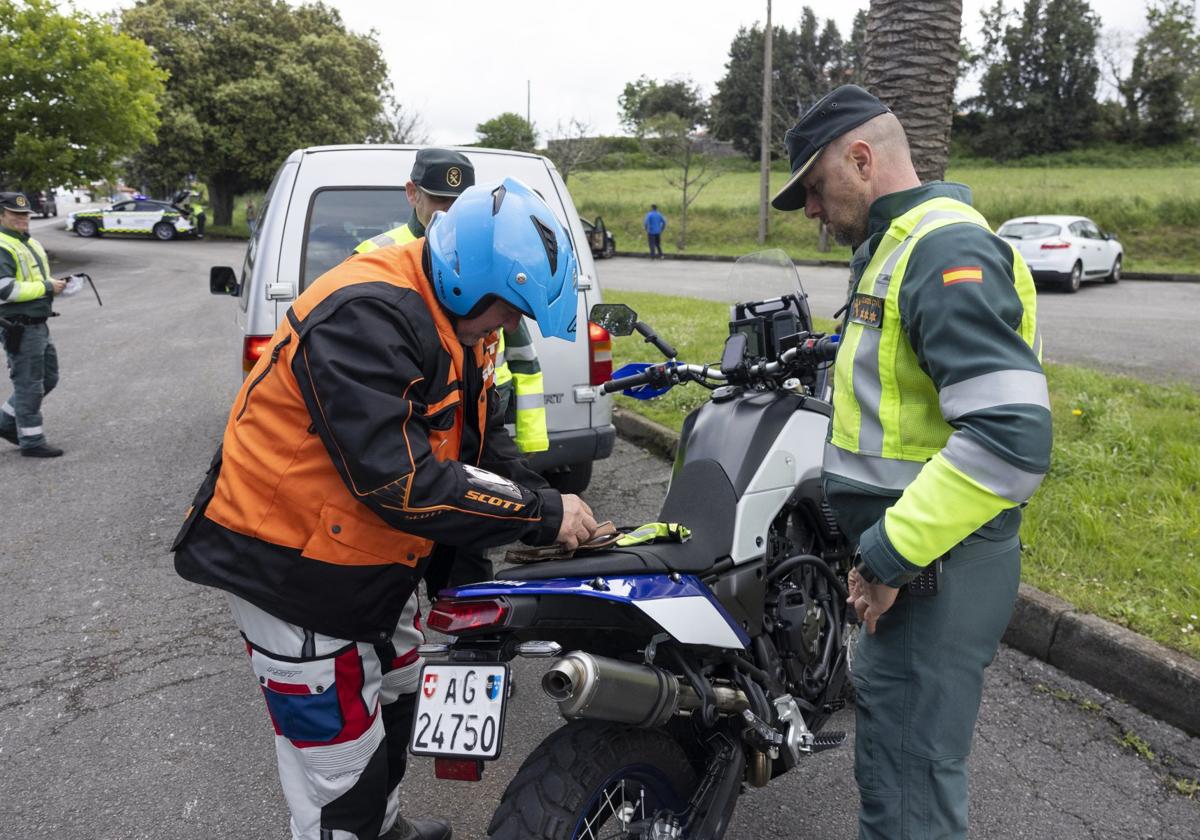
pixel 437 178
pixel 368 435
pixel 26 293
pixel 940 433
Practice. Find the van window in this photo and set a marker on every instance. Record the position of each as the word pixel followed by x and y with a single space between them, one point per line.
pixel 342 217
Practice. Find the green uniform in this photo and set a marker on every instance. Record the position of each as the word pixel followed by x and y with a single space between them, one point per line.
pixel 26 295
pixel 941 431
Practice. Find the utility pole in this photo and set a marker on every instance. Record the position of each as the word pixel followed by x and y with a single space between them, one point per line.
pixel 764 164
pixel 528 98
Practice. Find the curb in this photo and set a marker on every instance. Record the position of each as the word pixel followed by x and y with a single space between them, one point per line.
pixel 1128 275
pixel 1155 679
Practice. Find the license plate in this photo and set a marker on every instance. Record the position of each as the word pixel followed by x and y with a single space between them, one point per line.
pixel 460 710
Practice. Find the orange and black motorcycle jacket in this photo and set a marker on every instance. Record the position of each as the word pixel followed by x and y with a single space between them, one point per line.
pixel 366 435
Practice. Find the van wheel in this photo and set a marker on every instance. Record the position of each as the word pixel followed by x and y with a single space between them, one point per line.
pixel 574 479
pixel 86 227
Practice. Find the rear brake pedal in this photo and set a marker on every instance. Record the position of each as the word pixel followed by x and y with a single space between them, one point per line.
pixel 827 741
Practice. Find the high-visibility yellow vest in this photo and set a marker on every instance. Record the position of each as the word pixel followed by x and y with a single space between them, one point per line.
pixel 889 427
pixel 395 236
pixel 33 270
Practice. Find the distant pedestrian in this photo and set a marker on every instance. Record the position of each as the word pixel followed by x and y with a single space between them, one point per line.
pixel 655 223
pixel 251 216
pixel 26 293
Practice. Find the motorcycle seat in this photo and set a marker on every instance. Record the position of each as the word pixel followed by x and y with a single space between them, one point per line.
pixel 701 497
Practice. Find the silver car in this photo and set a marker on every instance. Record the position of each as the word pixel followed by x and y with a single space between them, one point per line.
pixel 325 200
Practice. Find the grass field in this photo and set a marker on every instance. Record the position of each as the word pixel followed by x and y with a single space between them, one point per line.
pixel 1155 211
pixel 1113 528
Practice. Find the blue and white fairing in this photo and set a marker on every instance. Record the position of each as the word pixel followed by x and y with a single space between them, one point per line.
pixel 684 607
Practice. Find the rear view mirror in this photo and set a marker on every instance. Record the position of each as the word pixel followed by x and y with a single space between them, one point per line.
pixel 617 318
pixel 223 281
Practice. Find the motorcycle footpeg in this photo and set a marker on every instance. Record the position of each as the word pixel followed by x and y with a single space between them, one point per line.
pixel 827 741
pixel 760 734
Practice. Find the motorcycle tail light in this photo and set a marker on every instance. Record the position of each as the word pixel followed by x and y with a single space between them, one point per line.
pixel 253 346
pixel 458 769
pixel 453 617
pixel 599 353
pixel 1054 246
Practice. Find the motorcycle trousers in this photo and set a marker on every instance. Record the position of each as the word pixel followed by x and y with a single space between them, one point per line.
pixel 34 371
pixel 342 712
pixel 919 682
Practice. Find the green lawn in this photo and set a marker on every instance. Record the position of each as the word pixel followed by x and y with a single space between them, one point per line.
pixel 1155 211
pixel 1113 529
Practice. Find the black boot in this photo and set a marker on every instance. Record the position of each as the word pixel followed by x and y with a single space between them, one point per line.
pixel 418 830
pixel 42 450
pixel 10 435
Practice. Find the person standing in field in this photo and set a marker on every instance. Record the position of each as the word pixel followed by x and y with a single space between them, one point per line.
pixel 655 223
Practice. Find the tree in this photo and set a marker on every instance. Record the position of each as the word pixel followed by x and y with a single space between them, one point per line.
pixel 675 141
pixel 507 131
pixel 77 96
pixel 912 52
pixel 251 80
pixel 397 124
pixel 1039 89
pixel 1161 92
pixel 572 148
pixel 646 99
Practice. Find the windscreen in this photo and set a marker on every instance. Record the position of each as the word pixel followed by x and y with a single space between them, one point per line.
pixel 340 219
pixel 1029 230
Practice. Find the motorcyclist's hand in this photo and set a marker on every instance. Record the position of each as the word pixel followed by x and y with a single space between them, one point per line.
pixel 58 286
pixel 577 522
pixel 870 600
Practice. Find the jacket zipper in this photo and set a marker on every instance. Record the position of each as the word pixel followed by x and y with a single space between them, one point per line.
pixel 261 376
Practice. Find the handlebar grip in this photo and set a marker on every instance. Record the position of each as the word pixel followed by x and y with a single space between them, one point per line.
pixel 624 382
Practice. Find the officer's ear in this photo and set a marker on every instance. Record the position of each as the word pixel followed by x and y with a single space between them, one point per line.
pixel 862 156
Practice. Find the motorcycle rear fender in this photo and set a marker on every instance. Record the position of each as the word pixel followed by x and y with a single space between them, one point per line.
pixel 680 605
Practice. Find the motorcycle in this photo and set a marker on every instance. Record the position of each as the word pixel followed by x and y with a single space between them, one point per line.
pixel 700 661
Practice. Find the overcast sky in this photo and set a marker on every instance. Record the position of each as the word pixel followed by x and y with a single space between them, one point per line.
pixel 460 62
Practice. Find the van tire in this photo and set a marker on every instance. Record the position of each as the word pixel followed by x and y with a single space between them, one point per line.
pixel 574 479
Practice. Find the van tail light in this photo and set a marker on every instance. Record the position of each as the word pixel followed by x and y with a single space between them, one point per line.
pixel 599 353
pixel 452 617
pixel 253 346
pixel 1055 246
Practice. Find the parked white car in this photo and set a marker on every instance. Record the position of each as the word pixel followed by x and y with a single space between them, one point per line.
pixel 325 200
pixel 1065 250
pixel 135 217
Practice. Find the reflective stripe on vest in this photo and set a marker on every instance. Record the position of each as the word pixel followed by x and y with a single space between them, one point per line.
pixel 879 381
pixel 32 266
pixel 395 236
pixel 529 397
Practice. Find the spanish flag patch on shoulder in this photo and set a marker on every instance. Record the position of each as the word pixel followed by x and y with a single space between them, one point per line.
pixel 962 274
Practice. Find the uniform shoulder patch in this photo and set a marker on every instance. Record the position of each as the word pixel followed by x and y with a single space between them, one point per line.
pixel 962 274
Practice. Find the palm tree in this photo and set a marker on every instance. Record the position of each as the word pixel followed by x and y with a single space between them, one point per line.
pixel 912 54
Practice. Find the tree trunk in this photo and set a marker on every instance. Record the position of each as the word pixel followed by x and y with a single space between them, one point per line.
pixel 823 238
pixel 221 193
pixel 912 54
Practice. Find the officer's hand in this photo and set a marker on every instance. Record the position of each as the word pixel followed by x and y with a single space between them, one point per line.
pixel 58 286
pixel 870 600
pixel 577 522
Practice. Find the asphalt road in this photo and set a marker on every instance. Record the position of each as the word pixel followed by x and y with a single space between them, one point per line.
pixel 128 709
pixel 1146 329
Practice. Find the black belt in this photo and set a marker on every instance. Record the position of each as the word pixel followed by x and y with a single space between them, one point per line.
pixel 23 320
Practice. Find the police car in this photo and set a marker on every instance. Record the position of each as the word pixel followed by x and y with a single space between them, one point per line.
pixel 135 217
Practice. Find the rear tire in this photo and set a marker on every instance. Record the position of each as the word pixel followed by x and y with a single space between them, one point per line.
pixel 1071 284
pixel 577 781
pixel 574 479
pixel 1114 276
pixel 87 227
pixel 164 231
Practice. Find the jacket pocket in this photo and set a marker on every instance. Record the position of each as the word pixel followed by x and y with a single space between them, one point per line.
pixel 203 496
pixel 270 366
pixel 346 538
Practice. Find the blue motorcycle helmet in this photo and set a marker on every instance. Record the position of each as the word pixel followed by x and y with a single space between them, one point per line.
pixel 503 241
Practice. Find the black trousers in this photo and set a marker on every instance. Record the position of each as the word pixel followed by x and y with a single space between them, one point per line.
pixel 455 566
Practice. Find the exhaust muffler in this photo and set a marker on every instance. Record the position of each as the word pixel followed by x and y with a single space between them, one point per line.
pixel 600 688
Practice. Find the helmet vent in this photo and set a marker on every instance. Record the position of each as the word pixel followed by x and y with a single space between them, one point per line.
pixel 498 198
pixel 549 242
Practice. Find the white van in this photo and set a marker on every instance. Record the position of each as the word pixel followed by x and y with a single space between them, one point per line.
pixel 325 200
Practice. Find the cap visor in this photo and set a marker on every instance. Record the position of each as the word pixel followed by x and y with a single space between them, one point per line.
pixel 793 194
pixel 443 193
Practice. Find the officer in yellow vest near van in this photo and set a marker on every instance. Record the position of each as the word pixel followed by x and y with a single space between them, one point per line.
pixel 26 293
pixel 940 434
pixel 437 178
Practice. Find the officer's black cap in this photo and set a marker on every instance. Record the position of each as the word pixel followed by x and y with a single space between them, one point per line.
pixel 839 111
pixel 15 202
pixel 442 172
